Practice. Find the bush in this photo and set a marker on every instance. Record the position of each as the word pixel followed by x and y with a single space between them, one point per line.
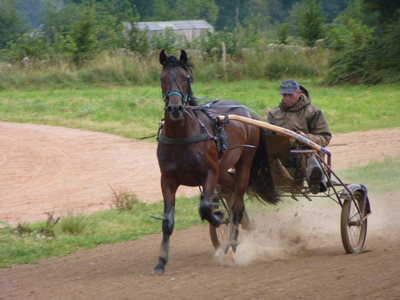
pixel 311 22
pixel 81 38
pixel 282 33
pixel 34 45
pixel 168 40
pixel 73 223
pixel 351 45
pixel 123 200
pixel 11 23
pixel 386 53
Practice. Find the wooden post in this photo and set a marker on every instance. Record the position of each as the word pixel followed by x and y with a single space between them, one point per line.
pixel 224 58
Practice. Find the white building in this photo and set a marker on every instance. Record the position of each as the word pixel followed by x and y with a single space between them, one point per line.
pixel 190 29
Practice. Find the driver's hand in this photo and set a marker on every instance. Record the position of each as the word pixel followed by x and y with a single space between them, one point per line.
pixel 302 134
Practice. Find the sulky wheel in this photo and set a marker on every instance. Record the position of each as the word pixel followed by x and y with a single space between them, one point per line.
pixel 220 236
pixel 353 230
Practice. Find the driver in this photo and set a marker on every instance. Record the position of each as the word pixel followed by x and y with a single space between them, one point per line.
pixel 295 112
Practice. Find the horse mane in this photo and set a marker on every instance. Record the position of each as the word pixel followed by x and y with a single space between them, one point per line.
pixel 173 62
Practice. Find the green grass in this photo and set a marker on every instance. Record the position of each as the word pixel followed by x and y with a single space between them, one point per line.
pixel 115 226
pixel 77 232
pixel 134 112
pixel 100 228
pixel 379 177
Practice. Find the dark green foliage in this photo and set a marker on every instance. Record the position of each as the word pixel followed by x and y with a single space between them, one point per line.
pixel 311 22
pixel 209 41
pixel 351 45
pixel 58 18
pixel 387 9
pixel 167 10
pixel 81 38
pixel 386 52
pixel 34 45
pixel 233 13
pixel 282 33
pixel 363 55
pixel 137 40
pixel 243 37
pixel 168 40
pixel 11 22
pixel 356 12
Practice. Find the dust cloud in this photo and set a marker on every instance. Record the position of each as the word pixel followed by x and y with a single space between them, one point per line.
pixel 289 231
pixel 298 227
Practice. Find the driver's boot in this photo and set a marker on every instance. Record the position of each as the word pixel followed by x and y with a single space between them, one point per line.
pixel 315 175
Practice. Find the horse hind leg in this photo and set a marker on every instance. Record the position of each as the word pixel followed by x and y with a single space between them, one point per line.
pixel 247 223
pixel 238 207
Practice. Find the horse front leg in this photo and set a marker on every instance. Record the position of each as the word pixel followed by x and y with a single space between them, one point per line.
pixel 169 188
pixel 205 210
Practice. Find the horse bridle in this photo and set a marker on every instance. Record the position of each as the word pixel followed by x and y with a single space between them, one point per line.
pixel 179 92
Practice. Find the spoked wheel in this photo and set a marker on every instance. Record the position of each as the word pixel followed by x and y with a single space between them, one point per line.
pixel 353 230
pixel 220 236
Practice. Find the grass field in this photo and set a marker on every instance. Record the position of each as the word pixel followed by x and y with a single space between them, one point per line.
pixel 134 112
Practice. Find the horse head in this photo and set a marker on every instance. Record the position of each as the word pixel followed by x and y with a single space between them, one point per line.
pixel 175 84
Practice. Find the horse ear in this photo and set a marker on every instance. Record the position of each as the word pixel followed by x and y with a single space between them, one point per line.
pixel 183 58
pixel 163 57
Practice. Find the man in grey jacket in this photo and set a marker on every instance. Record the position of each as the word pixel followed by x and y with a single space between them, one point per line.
pixel 295 112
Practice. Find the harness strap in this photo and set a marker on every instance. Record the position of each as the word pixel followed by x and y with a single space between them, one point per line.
pixel 183 141
pixel 206 106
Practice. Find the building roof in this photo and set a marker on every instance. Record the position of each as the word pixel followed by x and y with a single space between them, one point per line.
pixel 176 25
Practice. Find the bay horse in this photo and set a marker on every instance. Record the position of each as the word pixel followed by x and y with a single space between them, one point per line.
pixel 188 154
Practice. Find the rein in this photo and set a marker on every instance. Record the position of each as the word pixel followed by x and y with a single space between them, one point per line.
pixel 207 107
pixel 184 141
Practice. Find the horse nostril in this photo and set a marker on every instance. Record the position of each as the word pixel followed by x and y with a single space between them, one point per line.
pixel 169 108
pixel 180 108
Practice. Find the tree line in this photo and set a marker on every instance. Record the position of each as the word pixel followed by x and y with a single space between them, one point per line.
pixel 361 36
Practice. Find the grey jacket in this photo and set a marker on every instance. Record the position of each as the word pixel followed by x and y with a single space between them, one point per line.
pixel 302 117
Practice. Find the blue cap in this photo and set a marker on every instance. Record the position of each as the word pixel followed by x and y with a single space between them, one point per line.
pixel 289 86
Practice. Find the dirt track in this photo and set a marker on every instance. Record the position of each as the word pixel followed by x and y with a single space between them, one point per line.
pixel 294 253
pixel 287 258
pixel 46 168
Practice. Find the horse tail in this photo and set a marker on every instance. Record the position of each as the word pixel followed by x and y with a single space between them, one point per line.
pixel 261 185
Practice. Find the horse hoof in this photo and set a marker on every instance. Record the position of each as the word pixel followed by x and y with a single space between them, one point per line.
pixel 214 220
pixel 206 214
pixel 205 210
pixel 249 226
pixel 229 260
pixel 219 215
pixel 158 271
